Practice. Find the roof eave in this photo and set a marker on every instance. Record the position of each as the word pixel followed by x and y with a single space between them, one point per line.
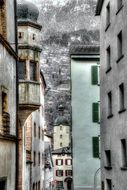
pixel 99 7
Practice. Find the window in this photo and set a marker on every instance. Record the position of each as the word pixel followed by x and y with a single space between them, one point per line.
pixel 4 102
pixel 61 136
pixel 39 132
pixel 34 158
pixel 39 185
pixel 102 185
pixel 119 46
pixel 59 183
pixel 109 184
pixel 59 173
pixel 108 158
pixel 61 144
pixel 108 51
pixel 61 127
pixel 34 35
pixel 59 162
pixel 34 129
pixel 21 69
pixel 3 183
pixel 108 16
pixel 94 75
pixel 68 172
pixel 95 112
pixel 95 142
pixel 33 71
pixel 119 4
pixel 33 186
pixel 110 104
pixel 68 162
pixel 39 159
pixel 20 35
pixel 124 152
pixel 121 98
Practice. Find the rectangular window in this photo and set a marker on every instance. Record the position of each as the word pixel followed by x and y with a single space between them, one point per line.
pixel 3 183
pixel 108 158
pixel 39 132
pixel 59 183
pixel 61 144
pixel 61 136
pixel 119 4
pixel 34 186
pixel 59 173
pixel 68 172
pixel 21 70
pixel 110 104
pixel 109 184
pixel 95 143
pixel 94 75
pixel 119 46
pixel 34 158
pixel 95 112
pixel 59 162
pixel 108 51
pixel 124 152
pixel 33 73
pixel 108 15
pixel 102 185
pixel 121 97
pixel 39 158
pixel 39 185
pixel 68 162
pixel 20 35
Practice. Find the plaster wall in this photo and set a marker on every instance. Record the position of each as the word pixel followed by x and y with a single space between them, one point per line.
pixel 114 129
pixel 83 129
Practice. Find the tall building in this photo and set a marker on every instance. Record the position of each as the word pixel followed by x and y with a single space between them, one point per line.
pixel 29 88
pixel 85 117
pixel 8 100
pixel 113 93
pixel 62 152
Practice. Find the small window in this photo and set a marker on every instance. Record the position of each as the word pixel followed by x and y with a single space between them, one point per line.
pixel 33 73
pixel 61 136
pixel 108 51
pixel 39 158
pixel 4 102
pixel 21 70
pixel 39 185
pixel 109 104
pixel 20 35
pixel 61 127
pixel 35 129
pixel 3 183
pixel 102 185
pixel 61 144
pixel 109 184
pixel 121 98
pixel 59 162
pixel 34 186
pixel 34 36
pixel 34 158
pixel 59 173
pixel 108 158
pixel 119 4
pixel 108 15
pixel 39 132
pixel 68 162
pixel 119 46
pixel 68 172
pixel 124 152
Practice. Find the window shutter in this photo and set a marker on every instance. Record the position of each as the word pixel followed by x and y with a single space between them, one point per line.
pixel 61 162
pixel 95 147
pixel 56 173
pixel 66 173
pixel 56 162
pixel 66 162
pixel 95 110
pixel 94 74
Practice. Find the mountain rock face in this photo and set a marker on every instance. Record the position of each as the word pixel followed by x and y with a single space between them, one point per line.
pixel 64 23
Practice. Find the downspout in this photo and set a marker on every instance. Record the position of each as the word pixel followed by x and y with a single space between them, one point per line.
pixel 17 97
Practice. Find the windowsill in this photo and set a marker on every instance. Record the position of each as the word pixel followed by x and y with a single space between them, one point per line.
pixel 107 27
pixel 124 168
pixel 122 110
pixel 109 69
pixel 108 167
pixel 119 59
pixel 119 9
pixel 110 116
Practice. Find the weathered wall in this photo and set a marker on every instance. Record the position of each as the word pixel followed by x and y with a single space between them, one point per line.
pixel 83 129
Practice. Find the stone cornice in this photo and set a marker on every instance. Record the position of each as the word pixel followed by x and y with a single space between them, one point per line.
pixel 34 48
pixel 29 23
pixel 8 47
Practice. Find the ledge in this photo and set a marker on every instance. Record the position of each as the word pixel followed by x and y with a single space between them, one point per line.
pixel 122 110
pixel 108 167
pixel 107 27
pixel 110 116
pixel 8 137
pixel 119 59
pixel 124 168
pixel 109 69
pixel 119 9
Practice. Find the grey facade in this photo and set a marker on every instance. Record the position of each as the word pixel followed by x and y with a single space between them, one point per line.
pixel 85 116
pixel 113 93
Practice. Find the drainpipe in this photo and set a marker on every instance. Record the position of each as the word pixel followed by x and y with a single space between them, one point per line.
pixel 95 178
pixel 16 49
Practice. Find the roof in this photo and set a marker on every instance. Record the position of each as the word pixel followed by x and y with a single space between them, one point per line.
pixel 61 120
pixel 99 6
pixel 85 50
pixel 64 150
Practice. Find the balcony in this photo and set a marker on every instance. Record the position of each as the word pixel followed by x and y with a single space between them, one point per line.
pixel 29 95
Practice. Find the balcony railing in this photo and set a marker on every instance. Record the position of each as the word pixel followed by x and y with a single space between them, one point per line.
pixel 6 122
